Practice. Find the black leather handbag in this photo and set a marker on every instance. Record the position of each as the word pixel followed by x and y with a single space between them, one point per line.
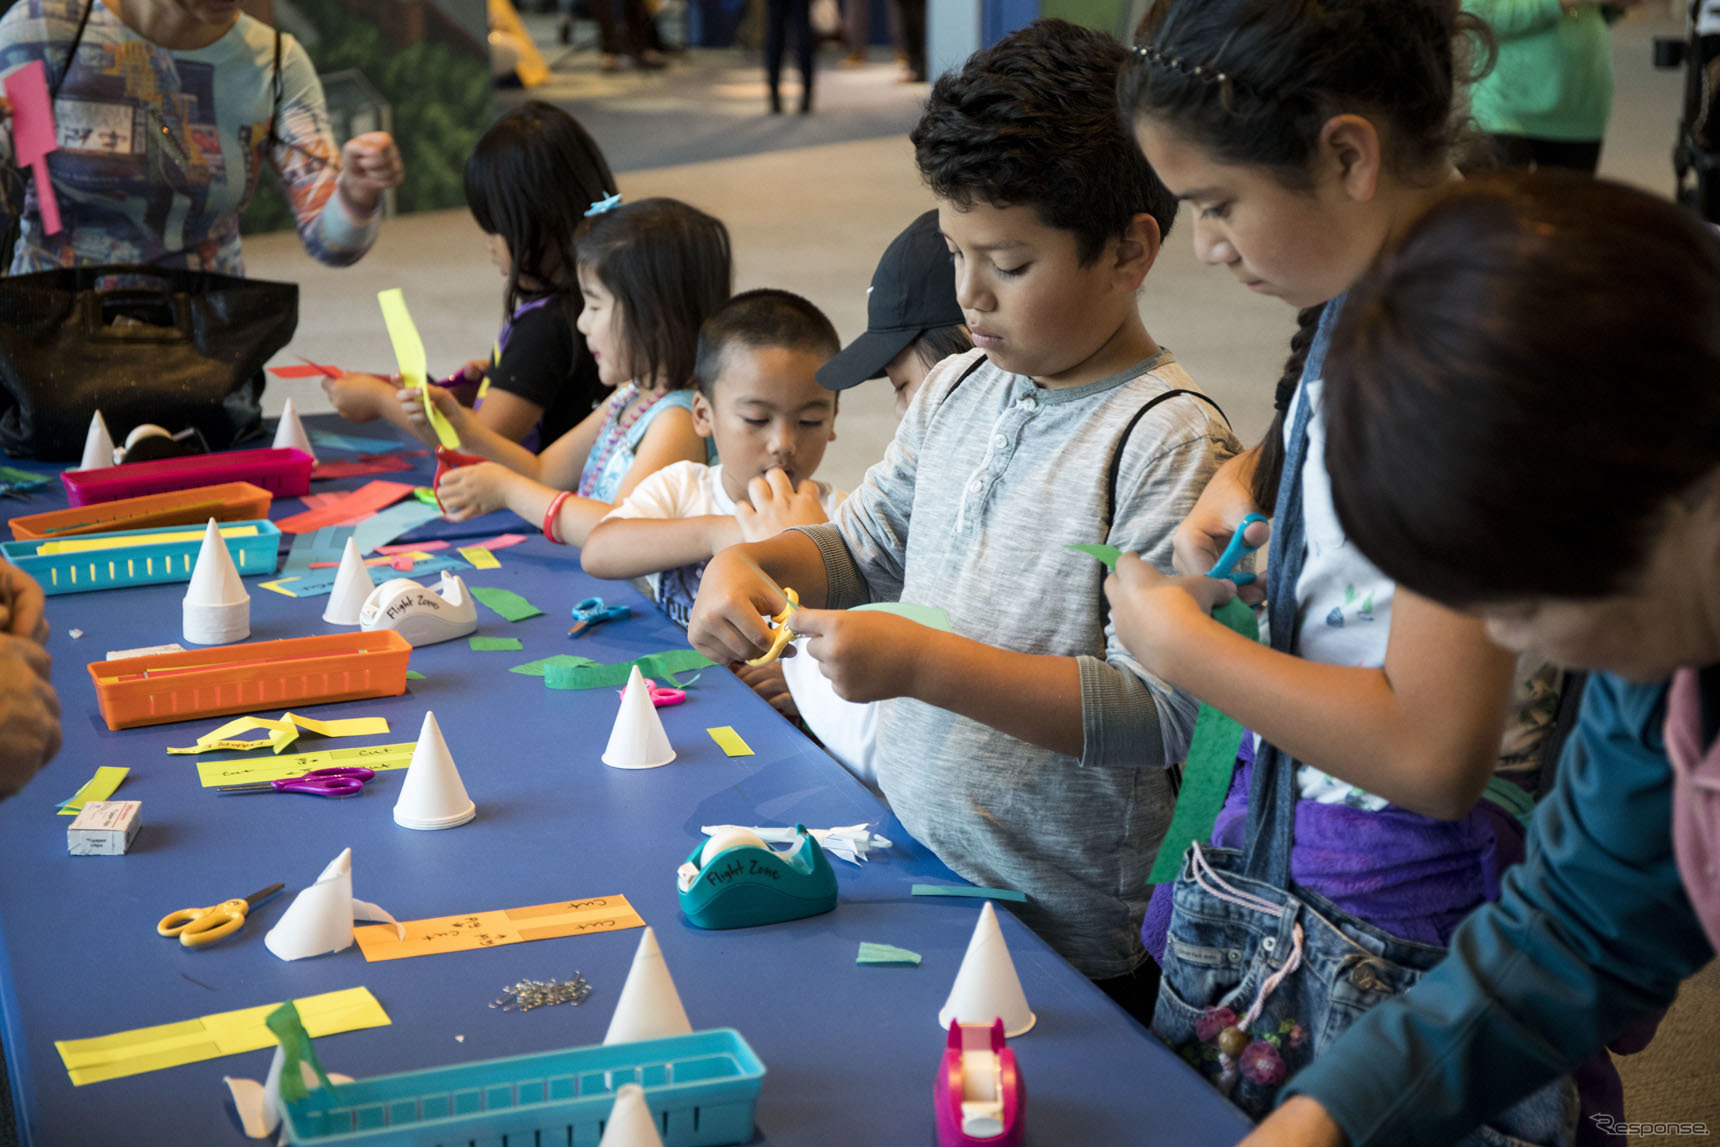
pixel 141 344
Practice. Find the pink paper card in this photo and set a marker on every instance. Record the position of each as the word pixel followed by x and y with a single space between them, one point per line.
pixel 33 135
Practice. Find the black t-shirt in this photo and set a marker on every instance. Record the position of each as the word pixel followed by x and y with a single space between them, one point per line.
pixel 545 362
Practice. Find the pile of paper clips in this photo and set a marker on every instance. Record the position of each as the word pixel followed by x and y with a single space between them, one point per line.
pixel 529 994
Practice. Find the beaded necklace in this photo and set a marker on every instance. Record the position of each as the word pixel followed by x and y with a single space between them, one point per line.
pixel 619 424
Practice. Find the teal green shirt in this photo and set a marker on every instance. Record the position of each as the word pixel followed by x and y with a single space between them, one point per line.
pixel 1553 77
pixel 1591 933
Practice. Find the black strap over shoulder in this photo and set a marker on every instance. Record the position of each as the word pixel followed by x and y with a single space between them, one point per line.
pixel 1123 441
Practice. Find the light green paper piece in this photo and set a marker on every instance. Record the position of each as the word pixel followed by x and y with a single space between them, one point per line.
pixel 482 644
pixel 967 891
pixel 506 602
pixel 414 675
pixel 929 616
pixel 1106 554
pixel 662 666
pixel 289 1032
pixel 98 788
pixel 886 954
pixel 537 668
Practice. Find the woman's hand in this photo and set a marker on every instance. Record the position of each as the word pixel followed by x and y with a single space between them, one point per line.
pixel 370 165
pixel 1207 530
pixel 474 490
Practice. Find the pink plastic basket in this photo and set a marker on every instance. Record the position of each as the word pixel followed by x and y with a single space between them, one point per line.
pixel 284 473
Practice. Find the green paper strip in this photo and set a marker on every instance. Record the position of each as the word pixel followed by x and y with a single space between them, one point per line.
pixel 662 666
pixel 414 675
pixel 967 891
pixel 506 602
pixel 296 1048
pixel 98 788
pixel 1211 761
pixel 536 668
pixel 1106 554
pixel 484 644
pixel 929 616
pixel 886 954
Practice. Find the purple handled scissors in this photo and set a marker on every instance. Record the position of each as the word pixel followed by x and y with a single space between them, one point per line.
pixel 341 782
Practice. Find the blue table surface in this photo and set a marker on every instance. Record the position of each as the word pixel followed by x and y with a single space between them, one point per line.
pixel 850 1051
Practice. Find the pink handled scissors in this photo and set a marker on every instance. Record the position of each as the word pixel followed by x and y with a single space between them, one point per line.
pixel 341 782
pixel 661 696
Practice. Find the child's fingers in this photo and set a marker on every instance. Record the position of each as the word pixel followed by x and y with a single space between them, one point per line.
pixel 779 483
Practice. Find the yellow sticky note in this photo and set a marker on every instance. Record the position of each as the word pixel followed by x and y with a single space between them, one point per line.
pixel 480 558
pixel 84 545
pixel 503 926
pixel 212 1036
pixel 414 364
pixel 98 788
pixel 248 772
pixel 730 742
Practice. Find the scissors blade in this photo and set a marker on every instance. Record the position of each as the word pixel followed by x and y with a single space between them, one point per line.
pixel 244 790
pixel 262 894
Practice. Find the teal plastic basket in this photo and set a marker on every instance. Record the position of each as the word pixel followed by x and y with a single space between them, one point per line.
pixel 700 1088
pixel 118 566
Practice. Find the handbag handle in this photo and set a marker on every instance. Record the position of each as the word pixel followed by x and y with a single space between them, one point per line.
pixel 98 303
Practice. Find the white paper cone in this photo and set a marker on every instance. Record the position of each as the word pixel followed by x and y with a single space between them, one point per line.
pixel 319 920
pixel 352 584
pixel 649 1007
pixel 630 1123
pixel 217 610
pixel 290 432
pixel 432 795
pixel 638 740
pixel 98 445
pixel 987 987
pixel 259 1104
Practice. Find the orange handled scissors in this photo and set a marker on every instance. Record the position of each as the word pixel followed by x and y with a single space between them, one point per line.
pixel 200 927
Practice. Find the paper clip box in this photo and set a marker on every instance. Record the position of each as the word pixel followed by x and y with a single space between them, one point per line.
pixel 114 561
pixel 701 1089
pixel 228 502
pixel 103 828
pixel 283 472
pixel 162 687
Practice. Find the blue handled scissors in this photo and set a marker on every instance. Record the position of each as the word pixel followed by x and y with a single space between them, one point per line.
pixel 1235 552
pixel 592 612
pixel 341 782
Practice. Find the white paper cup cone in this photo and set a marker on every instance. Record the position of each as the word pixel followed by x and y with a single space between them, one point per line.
pixel 217 610
pixel 290 432
pixel 98 445
pixel 352 584
pixel 649 1007
pixel 319 920
pixel 987 987
pixel 638 740
pixel 432 795
pixel 630 1123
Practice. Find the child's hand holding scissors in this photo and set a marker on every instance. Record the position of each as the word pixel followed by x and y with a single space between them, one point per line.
pixel 1204 535
pixel 473 490
pixel 728 619
pixel 867 655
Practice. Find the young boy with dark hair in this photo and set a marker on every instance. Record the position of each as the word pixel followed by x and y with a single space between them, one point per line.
pixel 1027 748
pixel 759 400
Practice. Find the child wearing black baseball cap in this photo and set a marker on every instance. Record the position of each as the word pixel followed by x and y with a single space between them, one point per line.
pixel 913 321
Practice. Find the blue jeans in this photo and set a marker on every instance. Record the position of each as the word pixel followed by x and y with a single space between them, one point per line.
pixel 1229 935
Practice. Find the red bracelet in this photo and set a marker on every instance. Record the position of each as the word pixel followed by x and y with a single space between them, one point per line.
pixel 550 516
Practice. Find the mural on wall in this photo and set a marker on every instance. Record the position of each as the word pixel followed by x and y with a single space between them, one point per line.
pixel 419 69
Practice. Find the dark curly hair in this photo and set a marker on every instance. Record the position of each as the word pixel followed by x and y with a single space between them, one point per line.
pixel 1033 121
pixel 1519 389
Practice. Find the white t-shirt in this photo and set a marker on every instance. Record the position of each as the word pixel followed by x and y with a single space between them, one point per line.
pixel 848 729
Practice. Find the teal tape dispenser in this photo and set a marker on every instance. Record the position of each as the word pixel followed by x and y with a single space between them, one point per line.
pixel 736 880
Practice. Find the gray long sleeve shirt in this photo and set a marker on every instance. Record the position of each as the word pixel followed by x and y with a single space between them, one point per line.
pixel 989 476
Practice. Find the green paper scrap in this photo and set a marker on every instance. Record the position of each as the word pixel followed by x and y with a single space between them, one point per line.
pixel 1211 760
pixel 663 666
pixel 969 891
pixel 506 602
pixel 414 675
pixel 886 954
pixel 296 1049
pixel 426 495
pixel 98 788
pixel 536 668
pixel 929 616
pixel 1106 554
pixel 483 644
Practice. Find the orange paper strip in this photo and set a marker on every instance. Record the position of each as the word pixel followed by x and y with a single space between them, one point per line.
pixel 503 926
pixel 355 507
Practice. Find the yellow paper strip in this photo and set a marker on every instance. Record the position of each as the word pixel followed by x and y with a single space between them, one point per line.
pixel 503 926
pixel 414 364
pixel 276 586
pixel 480 558
pixel 730 742
pixel 345 727
pixel 375 757
pixel 283 732
pixel 209 1037
pixel 84 545
pixel 98 788
pixel 212 746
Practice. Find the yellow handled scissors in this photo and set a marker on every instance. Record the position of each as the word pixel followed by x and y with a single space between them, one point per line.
pixel 200 927
pixel 783 634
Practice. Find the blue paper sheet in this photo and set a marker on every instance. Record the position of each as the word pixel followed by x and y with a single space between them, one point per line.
pixel 382 528
pixel 356 443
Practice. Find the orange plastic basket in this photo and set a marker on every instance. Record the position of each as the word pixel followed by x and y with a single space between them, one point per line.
pixel 228 502
pixel 166 687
